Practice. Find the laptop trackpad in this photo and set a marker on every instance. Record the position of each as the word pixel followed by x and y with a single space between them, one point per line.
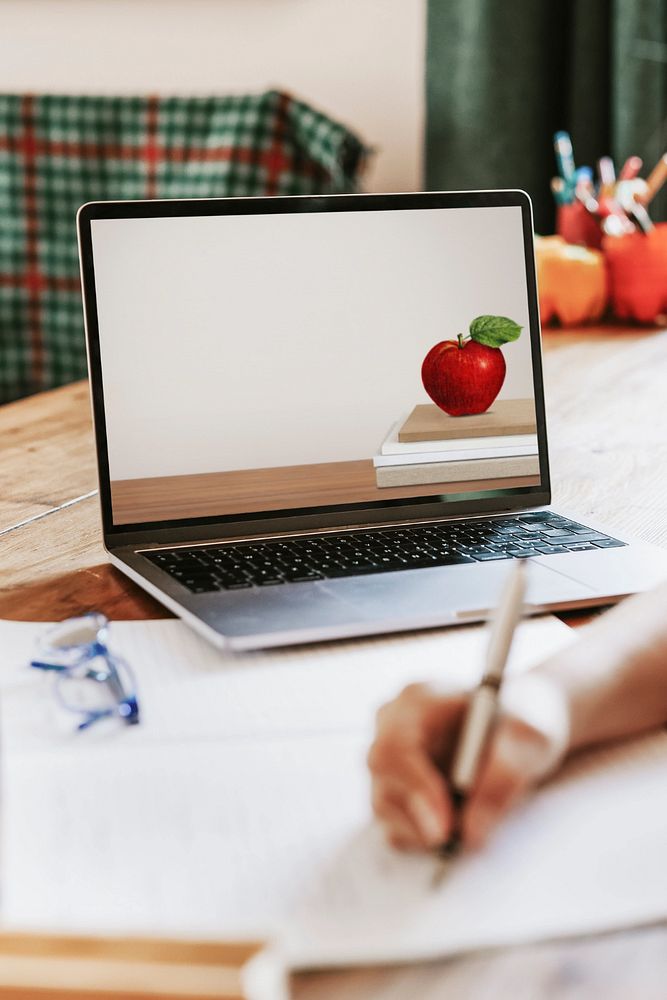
pixel 449 592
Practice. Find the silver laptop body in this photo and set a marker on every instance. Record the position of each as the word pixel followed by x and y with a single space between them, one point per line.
pixel 271 370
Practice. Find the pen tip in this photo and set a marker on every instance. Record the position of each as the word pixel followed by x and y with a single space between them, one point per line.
pixel 442 869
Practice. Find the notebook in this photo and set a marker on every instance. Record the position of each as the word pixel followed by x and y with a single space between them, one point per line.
pixel 240 807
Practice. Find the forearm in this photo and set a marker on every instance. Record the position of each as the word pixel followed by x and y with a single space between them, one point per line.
pixel 615 677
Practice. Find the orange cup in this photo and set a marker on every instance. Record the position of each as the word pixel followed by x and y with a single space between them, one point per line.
pixel 637 265
pixel 571 281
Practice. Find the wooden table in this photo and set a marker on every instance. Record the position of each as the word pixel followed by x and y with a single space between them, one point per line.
pixel 607 422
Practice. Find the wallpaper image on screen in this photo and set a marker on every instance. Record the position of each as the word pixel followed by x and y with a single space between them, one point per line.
pixel 268 363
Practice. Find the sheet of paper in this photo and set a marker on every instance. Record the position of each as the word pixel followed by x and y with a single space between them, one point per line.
pixel 588 853
pixel 240 806
pixel 198 839
pixel 190 690
pixel 276 837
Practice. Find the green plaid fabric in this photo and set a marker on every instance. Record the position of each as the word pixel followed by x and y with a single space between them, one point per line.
pixel 57 152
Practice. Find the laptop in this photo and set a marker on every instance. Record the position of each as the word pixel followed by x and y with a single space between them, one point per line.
pixel 320 417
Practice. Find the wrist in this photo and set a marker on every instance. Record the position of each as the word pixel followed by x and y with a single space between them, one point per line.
pixel 584 675
pixel 539 701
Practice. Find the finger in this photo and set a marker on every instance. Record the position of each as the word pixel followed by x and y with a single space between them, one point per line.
pixel 427 822
pixel 412 731
pixel 401 843
pixel 413 782
pixel 442 723
pixel 421 717
pixel 408 766
pixel 399 827
pixel 417 722
pixel 505 777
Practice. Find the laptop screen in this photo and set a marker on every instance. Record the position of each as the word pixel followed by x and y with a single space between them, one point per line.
pixel 304 361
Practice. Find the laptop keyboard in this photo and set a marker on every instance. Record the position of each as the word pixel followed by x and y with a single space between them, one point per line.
pixel 237 566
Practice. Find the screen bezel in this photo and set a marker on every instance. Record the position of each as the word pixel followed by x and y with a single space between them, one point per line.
pixel 308 518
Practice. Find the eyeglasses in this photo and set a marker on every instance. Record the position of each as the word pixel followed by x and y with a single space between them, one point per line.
pixel 91 680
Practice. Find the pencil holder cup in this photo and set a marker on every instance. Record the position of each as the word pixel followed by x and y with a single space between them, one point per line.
pixel 576 225
pixel 637 266
pixel 571 282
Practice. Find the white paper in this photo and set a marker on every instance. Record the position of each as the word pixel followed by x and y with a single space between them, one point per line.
pixel 202 839
pixel 190 690
pixel 586 854
pixel 240 806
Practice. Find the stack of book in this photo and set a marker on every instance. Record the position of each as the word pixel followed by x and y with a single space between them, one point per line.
pixel 432 447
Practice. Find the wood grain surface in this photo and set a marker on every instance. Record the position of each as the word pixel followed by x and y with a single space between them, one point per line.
pixel 608 447
pixel 607 424
pixel 58 966
pixel 47 456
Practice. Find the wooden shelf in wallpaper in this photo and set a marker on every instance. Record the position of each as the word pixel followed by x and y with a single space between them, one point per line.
pixel 216 494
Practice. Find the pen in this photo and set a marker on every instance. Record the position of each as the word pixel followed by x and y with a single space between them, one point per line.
pixel 655 179
pixel 559 191
pixel 564 156
pixel 584 191
pixel 607 176
pixel 641 217
pixel 629 193
pixel 630 168
pixel 482 707
pixel 615 219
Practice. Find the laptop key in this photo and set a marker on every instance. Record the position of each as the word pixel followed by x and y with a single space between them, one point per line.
pixel 301 576
pixel 585 536
pixel 456 559
pixel 272 563
pixel 201 586
pixel 560 538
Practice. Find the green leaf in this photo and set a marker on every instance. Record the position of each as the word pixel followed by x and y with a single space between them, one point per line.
pixel 494 331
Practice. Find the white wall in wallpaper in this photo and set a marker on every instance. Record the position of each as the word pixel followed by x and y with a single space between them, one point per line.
pixel 361 61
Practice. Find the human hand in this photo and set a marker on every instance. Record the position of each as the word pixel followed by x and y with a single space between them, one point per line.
pixel 415 738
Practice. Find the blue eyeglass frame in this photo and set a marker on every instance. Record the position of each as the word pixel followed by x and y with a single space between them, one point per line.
pixel 77 655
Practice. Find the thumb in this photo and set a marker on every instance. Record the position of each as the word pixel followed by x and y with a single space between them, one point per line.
pixel 529 742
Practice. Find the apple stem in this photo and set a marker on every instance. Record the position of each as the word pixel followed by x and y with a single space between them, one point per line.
pixel 460 336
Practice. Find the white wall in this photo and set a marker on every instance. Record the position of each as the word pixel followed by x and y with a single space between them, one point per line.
pixel 259 341
pixel 361 61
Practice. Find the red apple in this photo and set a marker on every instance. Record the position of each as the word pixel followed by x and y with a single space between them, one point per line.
pixel 463 378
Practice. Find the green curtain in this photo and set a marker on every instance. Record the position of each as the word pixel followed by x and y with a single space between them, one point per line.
pixel 504 75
